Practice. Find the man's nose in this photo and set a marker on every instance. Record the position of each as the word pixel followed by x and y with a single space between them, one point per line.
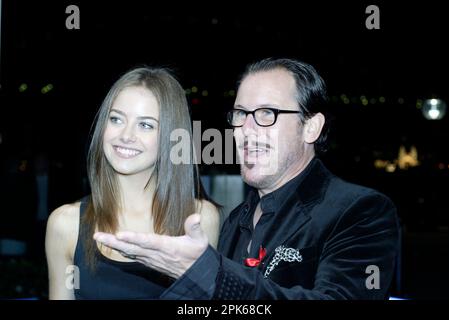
pixel 128 135
pixel 250 125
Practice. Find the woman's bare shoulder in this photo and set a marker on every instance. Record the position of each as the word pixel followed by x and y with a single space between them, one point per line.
pixel 206 207
pixel 210 220
pixel 64 221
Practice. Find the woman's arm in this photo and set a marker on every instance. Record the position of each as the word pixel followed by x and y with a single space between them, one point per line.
pixel 210 222
pixel 60 242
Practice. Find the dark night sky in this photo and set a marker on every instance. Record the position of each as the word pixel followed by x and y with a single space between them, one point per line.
pixel 208 47
pixel 405 56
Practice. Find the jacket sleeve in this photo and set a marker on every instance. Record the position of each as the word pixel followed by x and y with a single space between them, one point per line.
pixel 357 262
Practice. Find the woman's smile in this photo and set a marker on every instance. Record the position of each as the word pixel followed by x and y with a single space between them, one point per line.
pixel 126 153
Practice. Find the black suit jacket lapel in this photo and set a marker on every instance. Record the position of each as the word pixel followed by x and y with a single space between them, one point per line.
pixel 295 213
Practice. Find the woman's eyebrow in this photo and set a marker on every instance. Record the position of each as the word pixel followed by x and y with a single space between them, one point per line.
pixel 119 112
pixel 140 118
pixel 147 117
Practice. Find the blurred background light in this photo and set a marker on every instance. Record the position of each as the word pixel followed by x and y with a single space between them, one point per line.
pixel 434 109
pixel 23 87
pixel 47 88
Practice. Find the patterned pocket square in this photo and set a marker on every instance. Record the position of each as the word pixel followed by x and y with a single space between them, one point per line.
pixel 283 253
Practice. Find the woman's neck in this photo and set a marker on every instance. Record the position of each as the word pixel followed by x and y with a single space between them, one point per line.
pixel 136 199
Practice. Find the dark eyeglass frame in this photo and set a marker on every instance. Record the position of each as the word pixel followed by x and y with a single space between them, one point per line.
pixel 275 111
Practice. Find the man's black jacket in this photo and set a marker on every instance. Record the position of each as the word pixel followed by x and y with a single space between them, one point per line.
pixel 331 240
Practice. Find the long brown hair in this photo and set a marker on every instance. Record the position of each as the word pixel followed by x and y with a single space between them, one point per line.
pixel 177 185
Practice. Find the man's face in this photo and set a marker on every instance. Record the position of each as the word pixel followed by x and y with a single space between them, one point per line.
pixel 269 156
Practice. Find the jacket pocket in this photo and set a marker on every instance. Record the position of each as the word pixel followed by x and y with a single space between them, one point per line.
pixel 294 270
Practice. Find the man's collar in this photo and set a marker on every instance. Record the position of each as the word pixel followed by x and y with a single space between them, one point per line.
pixel 307 187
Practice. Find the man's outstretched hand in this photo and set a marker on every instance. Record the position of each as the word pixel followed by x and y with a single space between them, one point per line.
pixel 169 255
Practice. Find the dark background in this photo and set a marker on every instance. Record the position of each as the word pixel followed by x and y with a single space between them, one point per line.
pixel 405 62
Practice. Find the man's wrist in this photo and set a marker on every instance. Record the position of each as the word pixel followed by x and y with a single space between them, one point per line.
pixel 198 282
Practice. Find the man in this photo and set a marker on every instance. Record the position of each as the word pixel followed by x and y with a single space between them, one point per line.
pixel 301 233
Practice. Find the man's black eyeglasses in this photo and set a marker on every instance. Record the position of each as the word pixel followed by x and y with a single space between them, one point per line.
pixel 264 117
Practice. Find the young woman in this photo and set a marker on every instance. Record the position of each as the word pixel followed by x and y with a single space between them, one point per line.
pixel 134 187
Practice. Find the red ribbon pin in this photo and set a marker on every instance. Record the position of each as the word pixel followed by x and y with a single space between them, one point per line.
pixel 254 262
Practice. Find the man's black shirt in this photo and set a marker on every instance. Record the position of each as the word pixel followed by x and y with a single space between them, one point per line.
pixel 270 204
